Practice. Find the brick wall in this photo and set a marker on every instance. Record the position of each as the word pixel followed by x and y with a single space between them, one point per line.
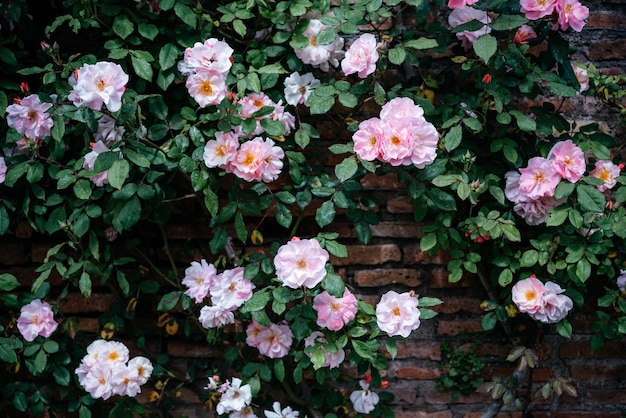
pixel 393 260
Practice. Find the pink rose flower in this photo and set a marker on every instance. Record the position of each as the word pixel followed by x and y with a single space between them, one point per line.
pixel 258 160
pixel 3 170
pixel 36 319
pixel 212 54
pixel 606 171
pixel 361 57
pixel 397 141
pixel 367 139
pixel 527 295
pixel 581 76
pixel 539 179
pixel 556 305
pixel 199 277
pixel 29 117
pixel 401 107
pixel 301 263
pixel 536 9
pixel 568 160
pixel 620 282
pixel 98 84
pixel 321 56
pixel 298 88
pixel 230 289
pixel 397 313
pixel 219 152
pixel 426 139
pixel 460 4
pixel 332 312
pixel 364 400
pixel 215 316
pixel 107 132
pixel 207 87
pixel 537 211
pixel 252 334
pixel 467 14
pixel 572 14
pixel 275 340
pixel 524 34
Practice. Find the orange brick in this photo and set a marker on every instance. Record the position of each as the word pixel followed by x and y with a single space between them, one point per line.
pixel 457 327
pixel 417 373
pixel 384 277
pixel 369 255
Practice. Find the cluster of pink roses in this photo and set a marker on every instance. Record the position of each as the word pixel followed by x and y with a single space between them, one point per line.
pixel 273 341
pixel 569 13
pixel 401 136
pixel 36 319
pixel 532 188
pixel 543 302
pixel 107 370
pixel 206 66
pixel 227 292
pixel 320 56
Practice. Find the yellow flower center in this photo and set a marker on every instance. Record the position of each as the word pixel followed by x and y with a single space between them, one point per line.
pixel 206 88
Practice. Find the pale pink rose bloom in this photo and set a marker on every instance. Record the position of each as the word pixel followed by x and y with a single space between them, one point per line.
pixel 536 9
pixel 361 57
pixel 397 141
pixel 467 14
pixel 215 316
pixel 252 333
pixel 606 171
pixel 258 160
pixel 107 132
pixel 511 188
pixel 301 262
pixel 331 360
pixel 199 279
pixel 539 179
pixel 235 398
pixel 275 340
pixel 124 381
pixel 36 319
pixel 207 87
pixel 322 56
pixel 280 412
pixel 100 179
pixel 287 119
pixel 97 84
pixel 253 102
pixel 581 76
pixel 364 400
pixel 29 117
pixel 397 313
pixel 524 34
pixel 527 295
pixel 246 412
pixel 367 139
pixel 537 211
pixel 212 54
pixel 572 14
pixel 230 289
pixel 26 145
pixel 98 381
pixel 568 160
pixel 142 368
pixel 459 4
pixel 298 87
pixel 96 351
pixel 424 144
pixel 332 312
pixel 555 304
pixel 621 281
pixel 401 107
pixel 113 352
pixel 3 170
pixel 220 151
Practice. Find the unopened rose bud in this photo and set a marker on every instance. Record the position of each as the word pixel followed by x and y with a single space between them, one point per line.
pixel 45 46
pixel 487 79
pixel 384 384
pixel 367 378
pixel 24 87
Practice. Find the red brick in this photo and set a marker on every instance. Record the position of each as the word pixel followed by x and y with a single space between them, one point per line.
pixel 397 230
pixel 607 49
pixel 446 398
pixel 417 373
pixel 598 373
pixel 88 325
pixel 384 277
pixel 539 374
pixel 606 19
pixel 422 414
pixel 422 350
pixel 453 328
pixel 190 350
pixel 13 253
pixel 387 181
pixel 369 255
pixel 607 397
pixel 439 280
pixel 414 255
pixel 400 205
pixel 77 303
pixel 581 349
pixel 454 304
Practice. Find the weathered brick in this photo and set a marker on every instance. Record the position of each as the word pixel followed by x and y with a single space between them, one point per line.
pixel 598 373
pixel 539 374
pixel 387 181
pixel 77 303
pixel 446 398
pixel 607 49
pixel 422 414
pixel 439 280
pixel 13 253
pixel 397 230
pixel 400 205
pixel 369 255
pixel 414 255
pixel 419 350
pixel 384 277
pixel 606 19
pixel 581 349
pixel 417 373
pixel 454 304
pixel 452 328
pixel 607 396
pixel 189 350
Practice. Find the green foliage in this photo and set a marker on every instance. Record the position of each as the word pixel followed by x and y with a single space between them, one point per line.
pixel 460 371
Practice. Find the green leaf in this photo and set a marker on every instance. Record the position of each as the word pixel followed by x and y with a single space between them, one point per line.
pixel 7 354
pixel 564 190
pixel 334 285
pixel 41 360
pixel 557 217
pixel 428 241
pixel 148 30
pixel 168 56
pixel 505 277
pixel 346 169
pixel 564 329
pixel 363 350
pixel 84 284
pixel 186 14
pixel 421 43
pixel 20 402
pixel 506 22
pixel 239 27
pixel 590 198
pixel 397 55
pixel 453 138
pixel 445 180
pixel 58 128
pixel 283 215
pixel 489 321
pixel 8 282
pixel 525 123
pixel 256 303
pixel 118 173
pixel 142 67
pixel 392 347
pixel 325 214
pixel 122 26
pixel 485 47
